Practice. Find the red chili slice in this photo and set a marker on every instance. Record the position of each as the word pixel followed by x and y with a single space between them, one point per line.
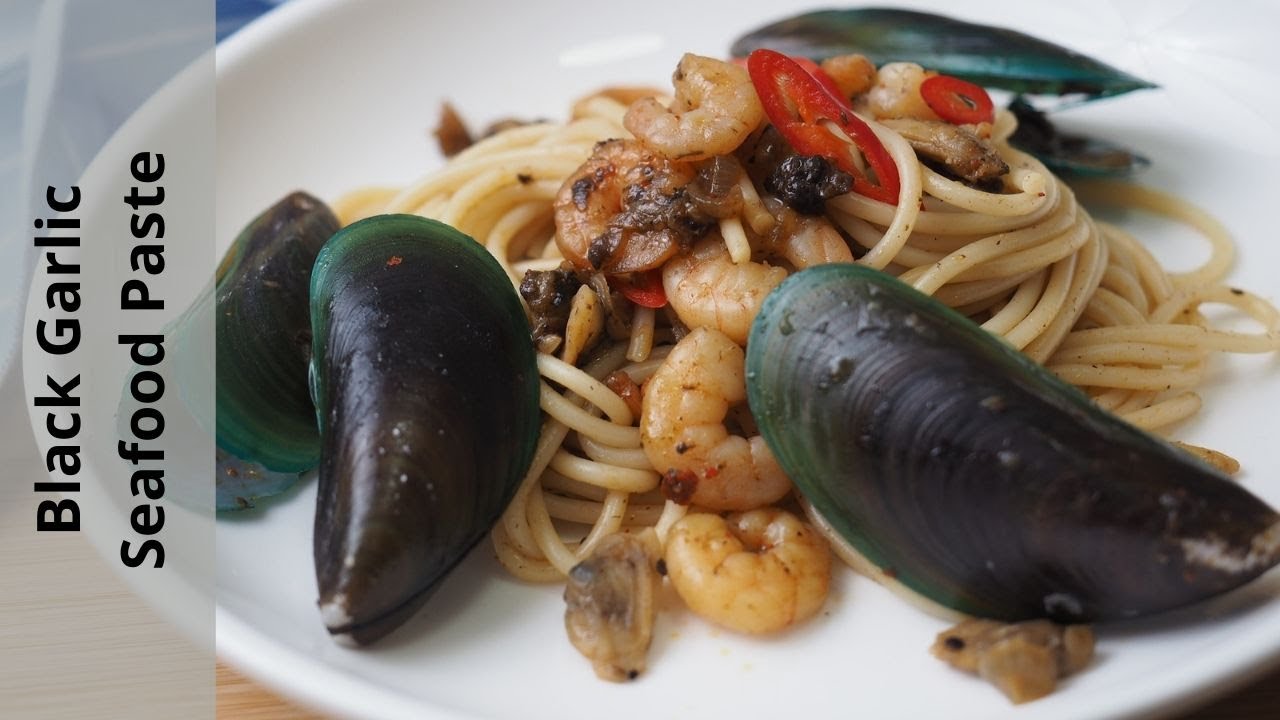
pixel 814 69
pixel 799 104
pixel 642 288
pixel 957 101
pixel 821 76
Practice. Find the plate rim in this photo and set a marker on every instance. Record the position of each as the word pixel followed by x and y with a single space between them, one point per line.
pixel 319 685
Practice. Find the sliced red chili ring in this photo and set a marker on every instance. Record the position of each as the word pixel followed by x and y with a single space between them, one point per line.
pixel 957 101
pixel 799 105
pixel 821 76
pixel 814 69
pixel 642 288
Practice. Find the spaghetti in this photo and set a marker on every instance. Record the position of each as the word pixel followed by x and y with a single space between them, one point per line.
pixel 1027 262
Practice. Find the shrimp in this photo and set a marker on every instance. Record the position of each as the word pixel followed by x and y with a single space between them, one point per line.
pixel 853 74
pixel 754 572
pixel 683 434
pixel 896 93
pixel 707 289
pixel 714 110
pixel 624 210
pixel 813 241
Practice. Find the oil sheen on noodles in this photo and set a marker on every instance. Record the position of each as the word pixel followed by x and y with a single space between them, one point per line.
pixel 1081 297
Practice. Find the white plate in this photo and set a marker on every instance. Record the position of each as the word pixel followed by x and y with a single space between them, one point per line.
pixel 330 95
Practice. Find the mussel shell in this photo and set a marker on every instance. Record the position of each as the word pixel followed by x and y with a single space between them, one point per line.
pixel 1068 153
pixel 974 477
pixel 984 54
pixel 426 389
pixel 264 335
pixel 266 426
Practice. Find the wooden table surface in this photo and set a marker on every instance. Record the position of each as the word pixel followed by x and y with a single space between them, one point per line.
pixel 239 698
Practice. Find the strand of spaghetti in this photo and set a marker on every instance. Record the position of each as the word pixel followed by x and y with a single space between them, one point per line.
pixel 1166 412
pixel 1121 282
pixel 539 162
pixel 514 518
pixel 1151 275
pixel 862 232
pixel 1184 335
pixel 548 538
pixel 1003 126
pixel 1137 401
pixel 1019 306
pixel 433 207
pixel 1090 262
pixel 641 343
pixel 1030 196
pixel 541 264
pixel 586 511
pixel 930 222
pixel 1187 298
pixel 608 522
pixel 1106 308
pixel 941 245
pixel 927 249
pixel 479 203
pixel 972 297
pixel 1047 307
pixel 978 260
pixel 758 216
pixel 585 386
pixel 613 477
pixel 1032 258
pixel 494 188
pixel 1129 353
pixel 903 220
pixel 361 203
pixel 613 455
pixel 735 239
pixel 1222 250
pixel 554 482
pixel 642 370
pixel 516 137
pixel 602 107
pixel 1111 398
pixel 1126 377
pixel 522 566
pixel 499 240
pixel 567 412
pixel 671 514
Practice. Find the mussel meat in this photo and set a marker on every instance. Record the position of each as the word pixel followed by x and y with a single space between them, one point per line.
pixel 974 477
pixel 984 54
pixel 426 391
pixel 266 424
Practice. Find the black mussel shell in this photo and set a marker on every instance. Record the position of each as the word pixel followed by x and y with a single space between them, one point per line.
pixel 1069 153
pixel 426 389
pixel 976 478
pixel 987 55
pixel 266 424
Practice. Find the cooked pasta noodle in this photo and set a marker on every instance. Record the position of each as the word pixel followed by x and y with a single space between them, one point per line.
pixel 1028 263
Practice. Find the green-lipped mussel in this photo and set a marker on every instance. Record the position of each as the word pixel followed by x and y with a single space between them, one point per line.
pixel 983 54
pixel 266 428
pixel 426 391
pixel 990 56
pixel 974 477
pixel 1067 152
